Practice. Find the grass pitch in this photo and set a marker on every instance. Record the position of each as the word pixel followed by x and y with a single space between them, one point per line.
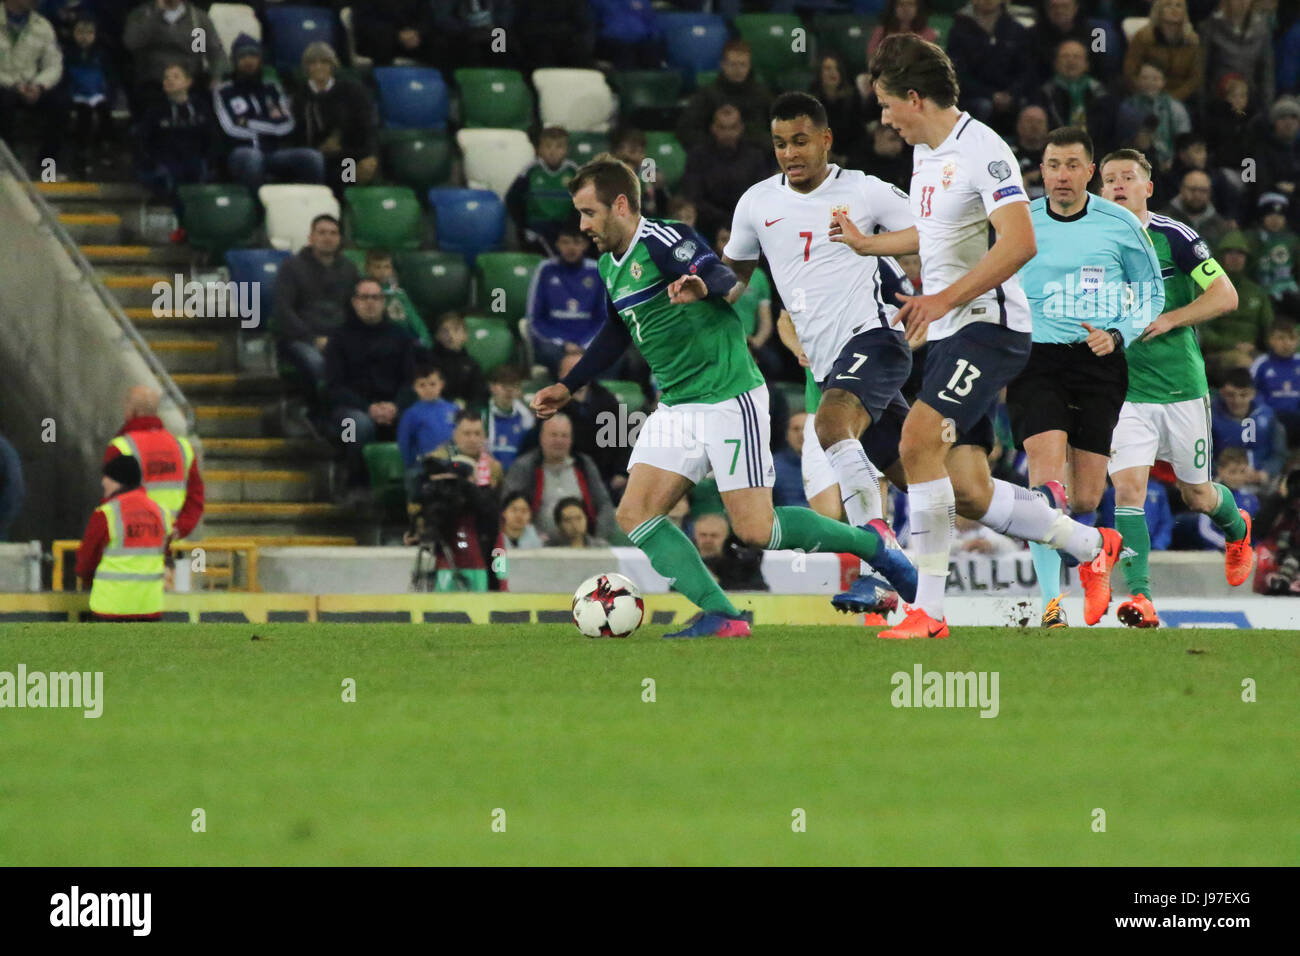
pixel 453 723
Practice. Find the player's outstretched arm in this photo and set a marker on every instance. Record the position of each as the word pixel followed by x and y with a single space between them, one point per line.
pixel 744 270
pixel 901 243
pixel 605 349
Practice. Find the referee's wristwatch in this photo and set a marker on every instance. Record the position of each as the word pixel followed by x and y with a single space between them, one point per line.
pixel 1118 338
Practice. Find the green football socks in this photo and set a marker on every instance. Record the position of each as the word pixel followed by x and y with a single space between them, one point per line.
pixel 672 555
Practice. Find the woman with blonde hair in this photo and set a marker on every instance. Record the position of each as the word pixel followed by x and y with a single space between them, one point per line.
pixel 1169 41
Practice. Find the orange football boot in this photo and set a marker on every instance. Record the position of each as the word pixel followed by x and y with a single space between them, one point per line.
pixel 916 624
pixel 1095 576
pixel 1239 558
pixel 1137 612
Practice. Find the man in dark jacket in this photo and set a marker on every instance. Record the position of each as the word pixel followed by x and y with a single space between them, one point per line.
pixel 311 298
pixel 336 117
pixel 259 127
pixel 159 33
pixel 391 28
pixel 719 170
pixel 1074 98
pixel 367 363
pixel 994 62
pixel 737 85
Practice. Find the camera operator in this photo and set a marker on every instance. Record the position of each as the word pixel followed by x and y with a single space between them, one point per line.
pixel 1279 521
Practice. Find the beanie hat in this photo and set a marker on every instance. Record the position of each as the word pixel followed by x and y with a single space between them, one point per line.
pixel 125 470
pixel 244 44
pixel 1234 241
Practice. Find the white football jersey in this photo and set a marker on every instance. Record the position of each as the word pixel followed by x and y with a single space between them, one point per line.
pixel 830 291
pixel 954 189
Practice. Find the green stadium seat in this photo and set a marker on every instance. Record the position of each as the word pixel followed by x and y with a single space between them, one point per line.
pixel 387 476
pixel 437 282
pixel 584 147
pixel 218 217
pixel 511 272
pixel 357 257
pixel 846 34
pixel 669 157
pixel 647 98
pixel 788 81
pixel 628 393
pixel 385 216
pixel 771 39
pixel 419 158
pixel 941 23
pixel 491 343
pixel 705 78
pixel 494 99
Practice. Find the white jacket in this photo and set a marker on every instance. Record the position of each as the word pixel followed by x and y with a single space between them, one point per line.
pixel 34 57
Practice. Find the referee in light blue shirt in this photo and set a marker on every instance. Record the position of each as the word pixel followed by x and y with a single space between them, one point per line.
pixel 1093 286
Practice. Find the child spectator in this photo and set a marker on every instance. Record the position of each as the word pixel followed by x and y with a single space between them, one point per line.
pixel 517 523
pixel 1277 376
pixel 90 86
pixel 401 311
pixel 538 200
pixel 566 299
pixel 1239 421
pixel 571 526
pixel 629 145
pixel 462 375
pixel 1276 248
pixel 175 137
pixel 508 418
pixel 681 209
pixel 429 422
pixel 1196 532
pixel 1150 107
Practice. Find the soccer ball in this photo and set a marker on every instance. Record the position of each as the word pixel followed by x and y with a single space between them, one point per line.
pixel 608 605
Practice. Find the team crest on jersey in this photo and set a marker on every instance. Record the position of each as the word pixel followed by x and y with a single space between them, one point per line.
pixel 684 252
pixel 1000 169
pixel 1201 250
pixel 635 269
pixel 949 171
pixel 840 207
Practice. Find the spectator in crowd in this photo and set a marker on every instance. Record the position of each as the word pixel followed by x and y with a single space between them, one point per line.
pixel 1031 138
pixel 1190 152
pixel 464 377
pixel 1072 97
pixel 736 567
pixel 312 290
pixel 258 125
pixel 845 110
pixel 467 30
pixel 629 145
pixel 1160 518
pixel 468 445
pixel 1232 469
pixel 337 119
pixel 555 33
pixel 427 422
pixel 538 200
pixel 13 491
pixel 367 364
pixel 597 426
pixel 719 170
pixel 1230 123
pixel 628 34
pixel 509 419
pixel 1288 60
pixel 566 299
pixel 517 523
pixel 571 526
pixel 1275 149
pixel 90 85
pixel 1193 207
pixel 735 86
pixel 1232 340
pixel 881 152
pixel 1060 20
pixel 902 16
pixel 391 28
pixel 175 138
pixel 1239 421
pixel 1276 250
pixel 789 490
pixel 398 306
pixel 1238 39
pixel 553 471
pixel 1279 538
pixel 994 62
pixel 170 468
pixel 159 33
pixel 1151 110
pixel 911 266
pixel 681 209
pixel 1169 40
pixel 1277 376
pixel 31 68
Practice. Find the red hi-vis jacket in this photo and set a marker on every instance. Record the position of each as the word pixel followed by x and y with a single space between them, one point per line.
pixel 162 461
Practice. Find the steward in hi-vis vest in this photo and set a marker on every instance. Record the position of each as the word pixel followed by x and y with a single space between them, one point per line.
pixel 122 553
pixel 168 464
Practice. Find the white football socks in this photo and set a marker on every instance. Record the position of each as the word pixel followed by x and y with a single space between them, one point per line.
pixel 859 481
pixel 933 514
pixel 1026 514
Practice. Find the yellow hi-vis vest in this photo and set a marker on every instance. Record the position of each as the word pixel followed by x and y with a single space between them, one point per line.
pixel 164 464
pixel 129 579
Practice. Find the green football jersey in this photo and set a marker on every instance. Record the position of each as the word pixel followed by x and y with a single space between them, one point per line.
pixel 1170 368
pixel 696 351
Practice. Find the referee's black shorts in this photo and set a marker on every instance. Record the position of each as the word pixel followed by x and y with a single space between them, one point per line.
pixel 1068 388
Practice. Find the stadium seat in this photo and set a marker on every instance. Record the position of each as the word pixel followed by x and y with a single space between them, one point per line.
pixel 510 272
pixel 491 342
pixel 437 282
pixel 788 81
pixel 694 41
pixel 217 217
pixel 669 158
pixel 293 28
pixel 355 256
pixel 261 266
pixel 290 209
pixel 494 99
pixel 494 157
pixel 387 476
pixel 583 147
pixel 574 99
pixel 770 38
pixel 469 221
pixel 412 97
pixel 232 19
pixel 629 394
pixel 846 34
pixel 647 98
pixel 705 78
pixel 419 158
pixel 355 58
pixel 385 216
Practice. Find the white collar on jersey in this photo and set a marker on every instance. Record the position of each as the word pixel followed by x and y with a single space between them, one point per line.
pixel 832 172
pixel 636 234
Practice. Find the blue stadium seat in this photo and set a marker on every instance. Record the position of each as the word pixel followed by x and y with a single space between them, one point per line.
pixel 293 28
pixel 258 265
pixel 412 97
pixel 694 40
pixel 469 221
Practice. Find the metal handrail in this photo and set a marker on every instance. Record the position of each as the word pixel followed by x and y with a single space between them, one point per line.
pixel 50 218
